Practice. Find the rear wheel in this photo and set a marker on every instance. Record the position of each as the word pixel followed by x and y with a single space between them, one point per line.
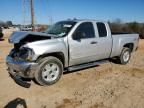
pixel 125 56
pixel 50 71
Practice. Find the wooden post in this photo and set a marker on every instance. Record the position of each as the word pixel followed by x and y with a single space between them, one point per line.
pixel 32 15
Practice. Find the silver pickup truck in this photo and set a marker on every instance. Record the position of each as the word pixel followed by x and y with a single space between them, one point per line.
pixel 67 45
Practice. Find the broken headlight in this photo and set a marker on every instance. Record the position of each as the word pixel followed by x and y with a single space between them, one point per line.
pixel 26 53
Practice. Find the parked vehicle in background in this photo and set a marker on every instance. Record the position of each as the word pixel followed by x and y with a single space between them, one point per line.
pixel 1 33
pixel 26 28
pixel 67 45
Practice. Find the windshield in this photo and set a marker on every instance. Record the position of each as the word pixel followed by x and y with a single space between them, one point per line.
pixel 61 28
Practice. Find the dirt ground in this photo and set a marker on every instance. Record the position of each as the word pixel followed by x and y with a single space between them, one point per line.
pixel 106 86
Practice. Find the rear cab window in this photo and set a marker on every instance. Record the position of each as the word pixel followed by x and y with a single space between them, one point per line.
pixel 102 31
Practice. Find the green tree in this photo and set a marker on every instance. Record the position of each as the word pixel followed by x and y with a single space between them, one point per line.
pixel 142 32
pixel 134 27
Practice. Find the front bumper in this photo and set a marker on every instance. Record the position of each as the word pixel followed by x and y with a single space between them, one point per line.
pixel 19 81
pixel 21 68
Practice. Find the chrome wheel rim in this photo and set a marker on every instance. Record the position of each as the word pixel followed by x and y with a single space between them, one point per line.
pixel 126 56
pixel 50 72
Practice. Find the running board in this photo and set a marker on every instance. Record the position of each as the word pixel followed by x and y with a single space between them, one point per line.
pixel 86 65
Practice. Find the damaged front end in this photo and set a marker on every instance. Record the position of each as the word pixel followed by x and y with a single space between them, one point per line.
pixel 19 61
pixel 19 68
pixel 20 40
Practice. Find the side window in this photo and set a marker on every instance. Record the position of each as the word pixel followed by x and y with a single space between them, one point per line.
pixel 101 29
pixel 86 29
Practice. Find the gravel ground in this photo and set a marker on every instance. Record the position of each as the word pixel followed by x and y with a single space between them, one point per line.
pixel 106 86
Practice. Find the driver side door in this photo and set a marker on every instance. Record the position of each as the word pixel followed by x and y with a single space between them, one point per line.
pixel 83 49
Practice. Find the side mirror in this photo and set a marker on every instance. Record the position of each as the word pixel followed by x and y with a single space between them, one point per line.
pixel 78 35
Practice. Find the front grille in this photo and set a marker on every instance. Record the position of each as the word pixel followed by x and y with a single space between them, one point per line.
pixel 14 54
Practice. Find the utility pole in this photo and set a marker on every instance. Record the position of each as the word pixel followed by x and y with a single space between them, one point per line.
pixel 24 13
pixel 32 14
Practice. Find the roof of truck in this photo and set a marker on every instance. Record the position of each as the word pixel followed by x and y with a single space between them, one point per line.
pixel 79 20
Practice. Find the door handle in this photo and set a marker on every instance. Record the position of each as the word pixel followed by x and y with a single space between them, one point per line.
pixel 93 42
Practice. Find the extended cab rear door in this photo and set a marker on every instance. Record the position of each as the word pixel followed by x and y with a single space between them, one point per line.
pixel 104 40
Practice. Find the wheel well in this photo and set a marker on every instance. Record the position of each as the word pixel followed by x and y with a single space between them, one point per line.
pixel 58 55
pixel 129 45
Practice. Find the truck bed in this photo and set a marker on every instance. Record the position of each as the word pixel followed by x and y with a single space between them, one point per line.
pixel 121 39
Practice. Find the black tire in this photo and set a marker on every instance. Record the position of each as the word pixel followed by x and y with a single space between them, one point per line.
pixel 122 59
pixel 40 78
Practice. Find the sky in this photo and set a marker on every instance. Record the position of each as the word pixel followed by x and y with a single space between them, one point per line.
pixel 48 11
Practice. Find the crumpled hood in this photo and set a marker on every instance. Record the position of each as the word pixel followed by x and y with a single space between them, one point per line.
pixel 16 37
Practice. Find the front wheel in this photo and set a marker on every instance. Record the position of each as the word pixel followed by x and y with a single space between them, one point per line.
pixel 49 71
pixel 125 56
